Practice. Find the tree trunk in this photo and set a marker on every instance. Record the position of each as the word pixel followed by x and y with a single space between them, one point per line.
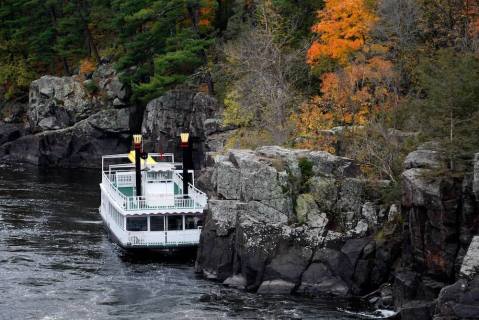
pixel 93 51
pixel 91 44
pixel 53 15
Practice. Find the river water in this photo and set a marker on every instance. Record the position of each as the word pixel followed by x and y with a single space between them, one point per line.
pixel 56 262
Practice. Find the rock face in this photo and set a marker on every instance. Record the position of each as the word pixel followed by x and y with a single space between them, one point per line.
pixel 294 221
pixel 177 110
pixel 280 220
pixel 470 263
pixel 81 145
pixel 10 132
pixel 71 122
pixel 60 102
pixel 461 299
pixel 441 216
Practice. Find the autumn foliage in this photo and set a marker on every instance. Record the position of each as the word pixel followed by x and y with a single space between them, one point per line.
pixel 87 66
pixel 361 87
pixel 342 29
pixel 207 13
pixel 350 97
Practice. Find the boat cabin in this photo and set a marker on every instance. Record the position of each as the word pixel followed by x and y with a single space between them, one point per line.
pixel 150 201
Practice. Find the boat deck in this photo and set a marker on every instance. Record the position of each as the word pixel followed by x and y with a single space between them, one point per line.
pixel 162 188
pixel 130 191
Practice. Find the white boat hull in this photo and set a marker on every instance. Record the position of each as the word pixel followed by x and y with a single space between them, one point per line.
pixel 151 239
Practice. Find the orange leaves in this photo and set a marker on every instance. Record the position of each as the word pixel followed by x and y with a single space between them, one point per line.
pixel 363 84
pixel 351 96
pixel 342 28
pixel 311 125
pixel 207 13
pixel 87 66
pixel 359 89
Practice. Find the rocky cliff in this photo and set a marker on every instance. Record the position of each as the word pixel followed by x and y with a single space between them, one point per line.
pixel 70 121
pixel 297 221
pixel 441 214
pixel 73 121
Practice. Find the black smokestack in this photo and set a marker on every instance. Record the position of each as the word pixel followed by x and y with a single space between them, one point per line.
pixel 137 143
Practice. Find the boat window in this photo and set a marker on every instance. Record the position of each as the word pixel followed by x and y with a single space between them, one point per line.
pixel 136 224
pixel 157 223
pixel 192 222
pixel 175 223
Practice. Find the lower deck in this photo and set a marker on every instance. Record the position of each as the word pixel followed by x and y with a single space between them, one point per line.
pixel 153 229
pixel 166 231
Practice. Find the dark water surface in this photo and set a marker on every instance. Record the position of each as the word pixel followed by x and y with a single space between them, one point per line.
pixel 56 262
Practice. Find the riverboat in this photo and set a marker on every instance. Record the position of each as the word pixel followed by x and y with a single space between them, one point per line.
pixel 149 201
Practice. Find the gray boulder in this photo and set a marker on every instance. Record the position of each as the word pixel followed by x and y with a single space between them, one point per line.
pixel 432 205
pixel 459 300
pixel 57 103
pixel 288 264
pixel 236 281
pixel 319 280
pixel 253 231
pixel 308 212
pixel 109 82
pixel 60 102
pixel 277 286
pixel 421 158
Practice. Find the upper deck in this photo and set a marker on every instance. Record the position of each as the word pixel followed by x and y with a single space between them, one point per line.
pixel 162 184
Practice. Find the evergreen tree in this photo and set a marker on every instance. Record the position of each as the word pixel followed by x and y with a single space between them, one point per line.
pixel 449 84
pixel 163 42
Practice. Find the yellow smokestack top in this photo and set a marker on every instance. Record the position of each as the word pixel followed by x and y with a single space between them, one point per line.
pixel 184 137
pixel 137 138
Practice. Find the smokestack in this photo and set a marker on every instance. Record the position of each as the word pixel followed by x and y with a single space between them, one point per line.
pixel 184 137
pixel 137 144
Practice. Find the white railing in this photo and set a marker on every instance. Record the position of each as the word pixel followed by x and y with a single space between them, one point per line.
pixel 113 191
pixel 195 199
pixel 140 203
pixel 199 196
pixel 163 238
pixel 178 180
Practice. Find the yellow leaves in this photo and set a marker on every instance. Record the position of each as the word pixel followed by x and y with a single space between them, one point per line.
pixel 311 124
pixel 234 114
pixel 342 28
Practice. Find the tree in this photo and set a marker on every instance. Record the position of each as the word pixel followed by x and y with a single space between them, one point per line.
pixel 342 29
pixel 184 55
pixel 163 43
pixel 450 23
pixel 260 67
pixel 356 95
pixel 313 124
pixel 448 85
